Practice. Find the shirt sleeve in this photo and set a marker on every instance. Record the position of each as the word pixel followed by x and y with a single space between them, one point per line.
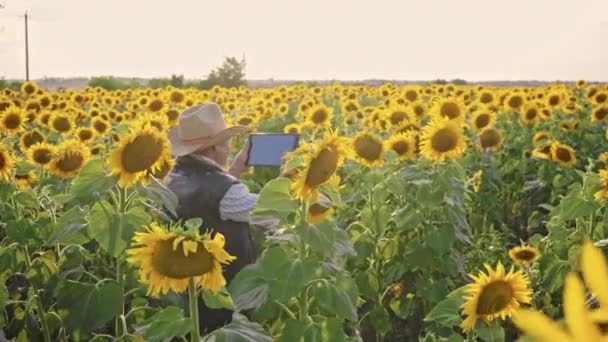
pixel 237 203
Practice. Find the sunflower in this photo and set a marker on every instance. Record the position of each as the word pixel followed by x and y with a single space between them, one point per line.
pixel 543 152
pixel 368 149
pixel 524 254
pixel 322 159
pixel 25 180
pixel 486 97
pixel 319 116
pixel 85 134
pixel 496 294
pixel 100 126
pixel 29 88
pixel 320 210
pixel 569 126
pixel 554 99
pixel 404 144
pixel 12 120
pixel 97 149
pixel 166 165
pixel 69 157
pixel 449 108
pixel 155 105
pixel 442 139
pixel 172 116
pixel 564 155
pixel 141 150
pixel 476 180
pixel 167 260
pixel 582 324
pixel 603 194
pixel 599 114
pixel 6 164
pixel 489 139
pixel 176 96
pixel 40 154
pixel 601 98
pixel 514 102
pixel 292 128
pixel 530 115
pixel 396 115
pixel 61 122
pixel 540 137
pixel 482 119
pixel 30 138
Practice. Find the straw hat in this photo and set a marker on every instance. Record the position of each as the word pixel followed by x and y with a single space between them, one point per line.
pixel 200 127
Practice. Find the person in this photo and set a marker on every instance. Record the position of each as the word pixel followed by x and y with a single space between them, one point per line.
pixel 205 189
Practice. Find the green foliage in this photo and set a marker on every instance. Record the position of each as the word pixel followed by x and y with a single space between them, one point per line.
pixel 229 75
pixel 111 83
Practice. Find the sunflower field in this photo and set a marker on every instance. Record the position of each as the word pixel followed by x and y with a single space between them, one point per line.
pixel 434 212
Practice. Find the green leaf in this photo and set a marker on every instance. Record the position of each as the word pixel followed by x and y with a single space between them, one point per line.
pixel 239 330
pixel 164 325
pixel 86 307
pixel 575 205
pixel 447 312
pixel 92 183
pixel 296 330
pixel 221 300
pixel 490 333
pixel 380 319
pixel 274 199
pixel 335 301
pixel 292 278
pixel 441 239
pixel 71 228
pixel 27 199
pixel 42 269
pixel 114 230
pixel 248 289
pixel 160 194
pixel 402 307
pixel 3 295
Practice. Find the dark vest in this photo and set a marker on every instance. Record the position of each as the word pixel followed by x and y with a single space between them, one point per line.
pixel 200 186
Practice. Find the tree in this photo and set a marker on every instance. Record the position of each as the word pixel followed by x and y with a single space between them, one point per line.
pixel 230 74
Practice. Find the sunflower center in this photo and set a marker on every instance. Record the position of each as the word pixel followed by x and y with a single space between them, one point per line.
pixel 42 156
pixel 486 98
pixel 70 162
pixel 172 115
pixel 2 160
pixel 515 102
pixel 12 121
pixel 401 147
pixel 531 114
pixel 563 154
pixel 601 98
pixel 177 97
pixel 444 140
pixel 368 148
pixel 397 117
pixel 419 111
pixel 411 95
pixel 175 264
pixel 245 121
pixel 554 100
pixel 482 120
pixel 141 153
pixel 489 138
pixel 155 105
pixel 62 124
pixel 85 135
pixel 32 138
pixel 494 297
pixel 525 255
pixel 319 116
pixel 601 113
pixel 450 110
pixel 322 167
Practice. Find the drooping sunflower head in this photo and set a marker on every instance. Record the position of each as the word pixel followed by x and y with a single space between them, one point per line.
pixel 404 144
pixel 540 137
pixel 30 138
pixel 136 153
pixel 12 120
pixel 321 161
pixel 442 139
pixel 495 294
pixel 69 157
pixel 319 116
pixel 524 254
pixel 167 260
pixel 6 164
pixel 25 180
pixel 489 139
pixel 319 210
pixel 368 149
pixel 40 154
pixel 564 155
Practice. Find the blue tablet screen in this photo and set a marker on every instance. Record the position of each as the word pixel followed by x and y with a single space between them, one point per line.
pixel 268 149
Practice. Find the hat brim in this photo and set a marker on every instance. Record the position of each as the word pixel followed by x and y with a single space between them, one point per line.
pixel 180 148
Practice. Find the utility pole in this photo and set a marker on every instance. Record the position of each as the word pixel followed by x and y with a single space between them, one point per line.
pixel 27 52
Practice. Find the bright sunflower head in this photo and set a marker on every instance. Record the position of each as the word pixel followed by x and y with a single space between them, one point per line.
pixel 524 254
pixel 69 157
pixel 141 150
pixel 12 120
pixel 514 102
pixel 368 149
pixel 397 115
pixel 322 159
pixel 85 134
pixel 564 155
pixel 495 294
pixel 599 114
pixel 29 88
pixel 100 126
pixel 442 139
pixel 404 144
pixel 449 108
pixel 319 116
pixel 6 164
pixel 489 139
pixel 554 99
pixel 168 260
pixel 62 123
pixel 40 154
pixel 540 137
pixel 30 138
pixel 319 211
pixel 292 128
pixel 602 194
pixel 530 115
pixel 483 119
pixel 25 180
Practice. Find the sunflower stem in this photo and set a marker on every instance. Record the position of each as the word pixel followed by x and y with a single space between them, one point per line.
pixel 193 298
pixel 45 326
pixel 120 279
pixel 301 255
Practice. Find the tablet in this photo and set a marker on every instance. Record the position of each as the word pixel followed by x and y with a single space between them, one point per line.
pixel 268 149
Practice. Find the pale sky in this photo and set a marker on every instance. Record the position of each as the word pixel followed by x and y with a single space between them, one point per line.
pixel 310 39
